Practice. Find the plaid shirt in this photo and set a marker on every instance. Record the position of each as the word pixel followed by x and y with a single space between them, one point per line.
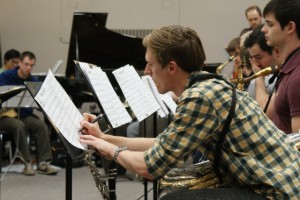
pixel 255 153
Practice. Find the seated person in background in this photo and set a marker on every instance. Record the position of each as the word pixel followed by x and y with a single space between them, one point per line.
pixel 254 18
pixel 233 49
pixel 11 60
pixel 27 123
pixel 257 160
pixel 245 63
pixel 262 56
pixel 244 70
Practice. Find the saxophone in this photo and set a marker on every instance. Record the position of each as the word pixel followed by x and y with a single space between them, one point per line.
pixel 221 66
pixel 241 84
pixel 263 72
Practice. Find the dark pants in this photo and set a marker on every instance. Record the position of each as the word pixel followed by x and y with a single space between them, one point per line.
pixel 20 129
pixel 213 194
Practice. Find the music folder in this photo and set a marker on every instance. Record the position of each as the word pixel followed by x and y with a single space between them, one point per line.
pixel 54 115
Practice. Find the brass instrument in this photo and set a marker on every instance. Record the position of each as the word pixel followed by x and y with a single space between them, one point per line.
pixel 240 85
pixel 263 72
pixel 195 176
pixel 221 66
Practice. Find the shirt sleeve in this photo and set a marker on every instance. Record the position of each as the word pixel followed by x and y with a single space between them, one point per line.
pixel 193 121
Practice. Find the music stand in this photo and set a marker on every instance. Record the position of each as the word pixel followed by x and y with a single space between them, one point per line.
pixel 71 151
pixel 5 95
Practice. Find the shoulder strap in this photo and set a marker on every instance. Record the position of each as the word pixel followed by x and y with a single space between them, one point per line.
pixel 219 144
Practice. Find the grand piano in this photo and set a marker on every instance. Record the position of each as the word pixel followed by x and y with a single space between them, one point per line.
pixel 93 43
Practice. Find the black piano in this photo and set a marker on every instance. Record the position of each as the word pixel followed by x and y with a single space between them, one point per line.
pixel 93 43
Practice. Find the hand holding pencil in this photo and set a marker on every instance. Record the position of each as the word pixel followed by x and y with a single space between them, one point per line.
pixel 89 127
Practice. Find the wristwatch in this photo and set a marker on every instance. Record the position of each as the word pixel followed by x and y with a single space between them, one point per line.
pixel 117 151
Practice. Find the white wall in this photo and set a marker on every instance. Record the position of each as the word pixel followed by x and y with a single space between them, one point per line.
pixel 43 26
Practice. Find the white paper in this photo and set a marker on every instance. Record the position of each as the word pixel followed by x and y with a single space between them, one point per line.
pixel 163 111
pixel 138 96
pixel 167 98
pixel 60 109
pixel 110 102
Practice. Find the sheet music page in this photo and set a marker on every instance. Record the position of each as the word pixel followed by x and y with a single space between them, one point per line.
pixel 168 100
pixel 163 111
pixel 139 97
pixel 110 102
pixel 60 109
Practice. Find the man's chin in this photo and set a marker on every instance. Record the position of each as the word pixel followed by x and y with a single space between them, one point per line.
pixel 269 43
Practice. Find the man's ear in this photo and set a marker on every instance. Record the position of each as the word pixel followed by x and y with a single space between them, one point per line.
pixel 291 27
pixel 172 68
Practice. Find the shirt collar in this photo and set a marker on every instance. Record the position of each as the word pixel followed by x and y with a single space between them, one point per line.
pixel 192 76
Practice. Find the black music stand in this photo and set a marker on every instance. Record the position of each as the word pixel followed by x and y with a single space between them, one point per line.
pixel 72 152
pixel 112 170
pixel 6 95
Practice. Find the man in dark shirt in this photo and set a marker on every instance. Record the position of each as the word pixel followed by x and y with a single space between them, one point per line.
pixel 27 123
pixel 282 30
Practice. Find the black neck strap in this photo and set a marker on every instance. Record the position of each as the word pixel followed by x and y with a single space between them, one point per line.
pixel 219 144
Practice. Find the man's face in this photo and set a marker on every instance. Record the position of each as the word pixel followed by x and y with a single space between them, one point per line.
pixel 274 35
pixel 159 75
pixel 26 66
pixel 12 63
pixel 253 18
pixel 261 58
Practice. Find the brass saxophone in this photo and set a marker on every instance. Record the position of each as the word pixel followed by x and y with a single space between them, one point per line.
pixel 221 66
pixel 263 72
pixel 241 84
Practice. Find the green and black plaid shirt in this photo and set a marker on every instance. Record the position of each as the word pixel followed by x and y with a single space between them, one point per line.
pixel 255 153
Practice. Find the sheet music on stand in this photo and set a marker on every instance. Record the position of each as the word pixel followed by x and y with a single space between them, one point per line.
pixel 61 112
pixel 138 95
pixel 163 99
pixel 163 111
pixel 106 95
pixel 21 100
pixel 168 100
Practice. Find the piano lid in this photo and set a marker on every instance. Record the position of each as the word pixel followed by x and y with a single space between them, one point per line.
pixel 91 42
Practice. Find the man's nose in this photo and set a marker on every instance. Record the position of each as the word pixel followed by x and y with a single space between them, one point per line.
pixel 147 70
